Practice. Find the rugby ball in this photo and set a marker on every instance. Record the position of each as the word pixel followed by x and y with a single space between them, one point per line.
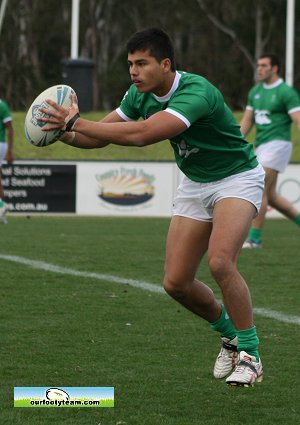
pixel 57 394
pixel 62 95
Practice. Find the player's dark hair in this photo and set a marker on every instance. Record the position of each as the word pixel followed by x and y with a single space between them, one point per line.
pixel 156 41
pixel 274 59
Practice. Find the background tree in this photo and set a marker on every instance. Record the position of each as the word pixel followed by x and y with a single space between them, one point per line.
pixel 218 39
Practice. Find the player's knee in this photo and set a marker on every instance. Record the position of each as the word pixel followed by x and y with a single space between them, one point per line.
pixel 174 288
pixel 273 200
pixel 220 267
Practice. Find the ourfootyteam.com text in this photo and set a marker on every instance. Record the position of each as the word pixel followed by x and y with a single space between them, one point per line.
pixel 65 402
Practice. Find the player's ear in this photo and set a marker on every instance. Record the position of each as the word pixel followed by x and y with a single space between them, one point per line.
pixel 166 64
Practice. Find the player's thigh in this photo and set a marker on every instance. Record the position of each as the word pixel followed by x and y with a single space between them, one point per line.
pixel 231 221
pixel 3 150
pixel 270 179
pixel 187 242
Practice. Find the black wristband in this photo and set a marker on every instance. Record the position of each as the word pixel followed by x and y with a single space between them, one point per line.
pixel 72 121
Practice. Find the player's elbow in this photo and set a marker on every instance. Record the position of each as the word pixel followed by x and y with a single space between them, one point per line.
pixel 144 136
pixel 140 142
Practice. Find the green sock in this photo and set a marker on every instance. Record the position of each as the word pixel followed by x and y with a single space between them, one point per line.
pixel 255 235
pixel 297 220
pixel 224 325
pixel 1 203
pixel 248 341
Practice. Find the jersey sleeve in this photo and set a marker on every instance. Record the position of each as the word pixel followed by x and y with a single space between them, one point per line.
pixel 250 100
pixel 189 105
pixel 292 101
pixel 5 114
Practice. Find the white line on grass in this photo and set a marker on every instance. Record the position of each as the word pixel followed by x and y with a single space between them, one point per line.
pixel 98 276
pixel 150 287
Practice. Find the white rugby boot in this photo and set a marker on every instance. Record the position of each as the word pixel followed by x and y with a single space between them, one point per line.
pixel 249 244
pixel 227 358
pixel 247 371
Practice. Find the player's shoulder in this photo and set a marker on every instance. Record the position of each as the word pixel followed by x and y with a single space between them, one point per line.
pixel 131 90
pixel 196 83
pixel 287 88
pixel 256 88
pixel 132 93
pixel 288 93
pixel 189 78
pixel 3 106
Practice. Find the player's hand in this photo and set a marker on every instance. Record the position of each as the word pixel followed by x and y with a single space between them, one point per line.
pixel 74 109
pixel 58 117
pixel 55 117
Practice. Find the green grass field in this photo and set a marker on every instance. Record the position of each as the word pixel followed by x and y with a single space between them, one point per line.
pixel 59 151
pixel 76 311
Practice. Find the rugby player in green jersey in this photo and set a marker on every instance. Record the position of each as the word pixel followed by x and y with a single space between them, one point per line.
pixel 272 106
pixel 216 201
pixel 6 150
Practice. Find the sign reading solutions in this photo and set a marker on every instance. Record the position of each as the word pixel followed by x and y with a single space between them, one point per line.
pixel 40 188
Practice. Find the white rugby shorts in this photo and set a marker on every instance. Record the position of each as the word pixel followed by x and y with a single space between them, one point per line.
pixel 3 150
pixel 275 155
pixel 196 200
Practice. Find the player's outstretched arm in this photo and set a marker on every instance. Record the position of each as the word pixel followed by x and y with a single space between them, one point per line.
pixel 78 140
pixel 296 118
pixel 10 141
pixel 160 126
pixel 59 118
pixel 247 121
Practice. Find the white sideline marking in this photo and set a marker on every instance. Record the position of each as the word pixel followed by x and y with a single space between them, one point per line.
pixel 150 287
pixel 63 270
pixel 280 317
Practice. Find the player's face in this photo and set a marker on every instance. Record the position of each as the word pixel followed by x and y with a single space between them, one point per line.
pixel 265 71
pixel 147 74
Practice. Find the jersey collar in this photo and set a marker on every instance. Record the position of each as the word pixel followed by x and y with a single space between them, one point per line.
pixel 272 86
pixel 174 87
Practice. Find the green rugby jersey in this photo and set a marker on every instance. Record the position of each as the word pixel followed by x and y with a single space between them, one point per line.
pixel 271 105
pixel 212 147
pixel 5 116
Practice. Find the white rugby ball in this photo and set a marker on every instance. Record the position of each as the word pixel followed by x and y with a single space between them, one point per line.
pixel 62 95
pixel 57 394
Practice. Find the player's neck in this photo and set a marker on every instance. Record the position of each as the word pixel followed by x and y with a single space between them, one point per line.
pixel 271 80
pixel 165 88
